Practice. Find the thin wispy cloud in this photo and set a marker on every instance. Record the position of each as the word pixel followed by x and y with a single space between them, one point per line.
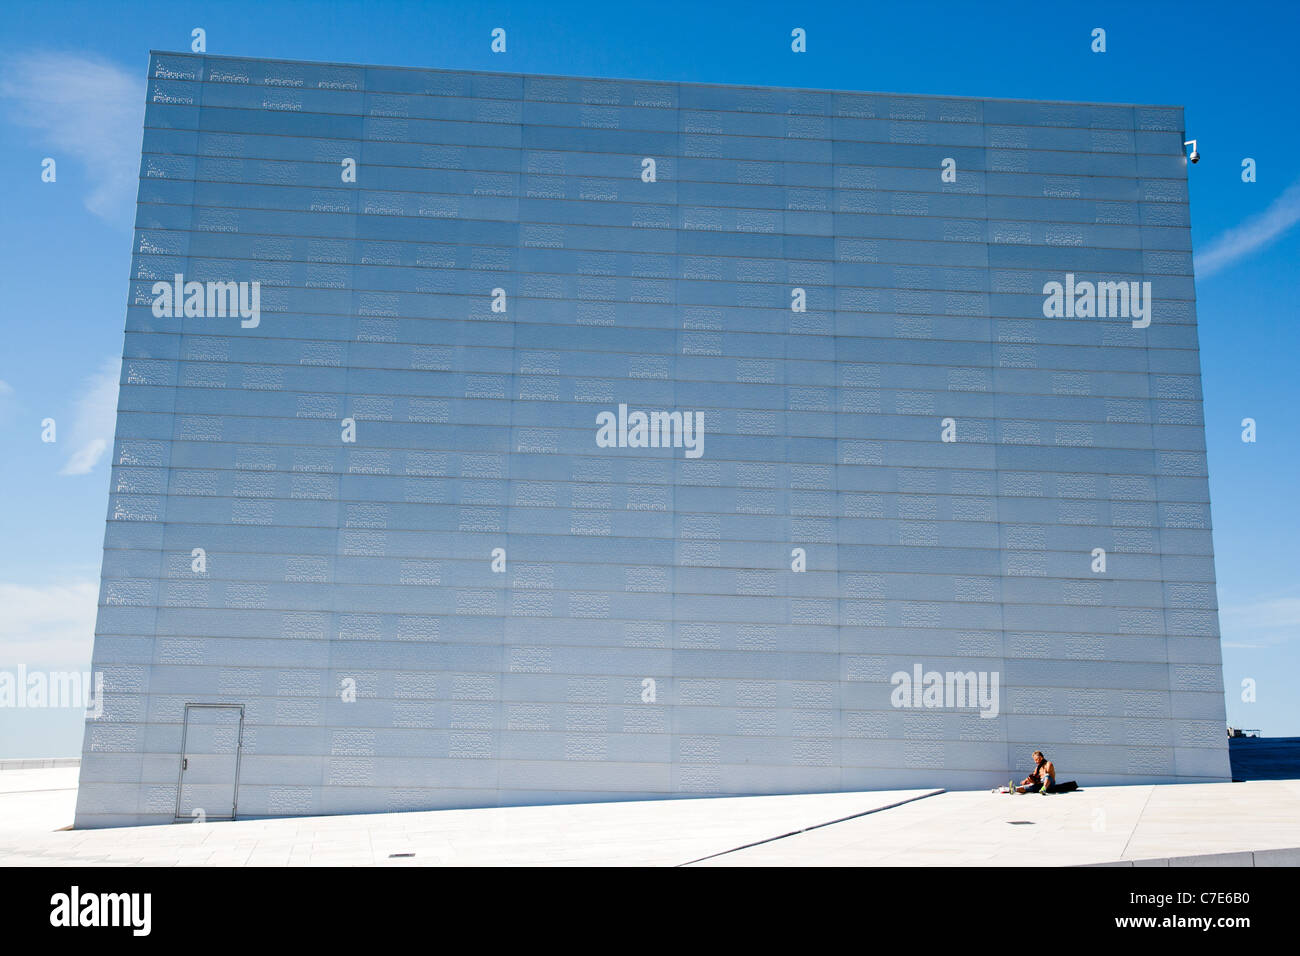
pixel 1254 233
pixel 96 417
pixel 85 108
pixel 1260 624
pixel 6 393
pixel 8 407
pixel 47 626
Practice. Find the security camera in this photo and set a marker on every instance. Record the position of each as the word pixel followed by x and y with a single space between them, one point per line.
pixel 1195 157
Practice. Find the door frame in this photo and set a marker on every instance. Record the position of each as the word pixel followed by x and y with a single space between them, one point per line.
pixel 239 753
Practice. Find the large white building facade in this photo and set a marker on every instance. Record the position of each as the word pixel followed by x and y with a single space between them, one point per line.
pixel 493 439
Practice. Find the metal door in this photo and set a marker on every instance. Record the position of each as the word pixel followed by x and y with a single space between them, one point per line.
pixel 209 776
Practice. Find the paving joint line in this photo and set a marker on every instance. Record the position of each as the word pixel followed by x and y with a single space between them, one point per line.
pixel 815 826
pixel 1137 821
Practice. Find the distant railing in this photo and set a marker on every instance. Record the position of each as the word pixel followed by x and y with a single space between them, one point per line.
pixel 39 763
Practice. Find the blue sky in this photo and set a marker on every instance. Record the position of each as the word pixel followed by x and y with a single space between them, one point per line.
pixel 65 246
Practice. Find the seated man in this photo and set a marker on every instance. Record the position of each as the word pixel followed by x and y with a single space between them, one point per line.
pixel 1042 779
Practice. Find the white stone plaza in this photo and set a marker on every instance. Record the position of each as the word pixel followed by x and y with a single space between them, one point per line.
pixel 1255 823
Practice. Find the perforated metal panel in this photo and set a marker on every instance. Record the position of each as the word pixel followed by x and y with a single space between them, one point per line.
pixel 479 598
